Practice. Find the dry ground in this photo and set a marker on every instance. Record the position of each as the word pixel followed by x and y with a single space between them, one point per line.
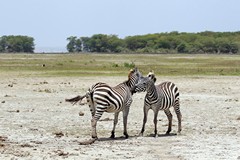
pixel 36 122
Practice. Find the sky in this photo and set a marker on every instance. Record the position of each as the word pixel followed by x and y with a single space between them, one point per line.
pixel 50 22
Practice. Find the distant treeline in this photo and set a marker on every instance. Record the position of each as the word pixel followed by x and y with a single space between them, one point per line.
pixel 10 44
pixel 173 42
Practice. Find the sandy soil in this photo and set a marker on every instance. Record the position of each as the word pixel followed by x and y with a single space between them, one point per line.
pixel 36 122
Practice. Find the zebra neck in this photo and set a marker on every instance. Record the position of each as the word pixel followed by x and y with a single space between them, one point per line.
pixel 152 91
pixel 130 83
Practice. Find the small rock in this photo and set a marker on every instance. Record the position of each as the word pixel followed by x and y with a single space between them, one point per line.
pixel 1 145
pixel 3 138
pixel 59 134
pixel 238 118
pixel 81 113
pixel 62 153
pixel 3 101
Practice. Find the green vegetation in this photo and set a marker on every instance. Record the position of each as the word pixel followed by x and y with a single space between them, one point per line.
pixel 163 43
pixel 118 64
pixel 173 42
pixel 10 44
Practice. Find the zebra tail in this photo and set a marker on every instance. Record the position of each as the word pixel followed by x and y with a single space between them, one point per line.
pixel 75 99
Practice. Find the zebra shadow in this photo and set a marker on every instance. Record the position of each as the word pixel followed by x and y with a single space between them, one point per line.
pixel 135 136
pixel 161 135
pixel 116 138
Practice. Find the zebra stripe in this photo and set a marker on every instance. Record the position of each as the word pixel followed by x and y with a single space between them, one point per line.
pixel 104 98
pixel 159 97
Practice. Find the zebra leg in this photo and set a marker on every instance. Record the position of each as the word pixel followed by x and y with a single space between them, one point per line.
pixel 179 116
pixel 95 118
pixel 169 116
pixel 114 124
pixel 94 124
pixel 145 111
pixel 91 106
pixel 155 123
pixel 125 116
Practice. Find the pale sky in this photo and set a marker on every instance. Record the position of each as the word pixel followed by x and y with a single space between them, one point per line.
pixel 50 22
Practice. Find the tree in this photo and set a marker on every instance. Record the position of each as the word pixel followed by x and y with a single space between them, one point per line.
pixel 135 42
pixel 182 48
pixel 173 42
pixel 115 44
pixel 3 43
pixel 16 44
pixel 71 44
pixel 86 44
pixel 102 43
pixel 78 45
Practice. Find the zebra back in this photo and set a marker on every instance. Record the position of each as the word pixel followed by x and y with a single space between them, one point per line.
pixel 165 94
pixel 168 94
pixel 166 87
pixel 113 99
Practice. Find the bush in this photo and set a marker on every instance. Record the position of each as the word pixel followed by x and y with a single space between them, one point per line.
pixel 129 65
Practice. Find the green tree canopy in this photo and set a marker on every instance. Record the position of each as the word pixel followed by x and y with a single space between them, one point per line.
pixel 12 43
pixel 173 42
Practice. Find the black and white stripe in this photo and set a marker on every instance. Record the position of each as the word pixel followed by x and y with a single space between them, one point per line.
pixel 103 98
pixel 159 97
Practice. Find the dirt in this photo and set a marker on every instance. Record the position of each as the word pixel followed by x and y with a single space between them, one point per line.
pixel 37 123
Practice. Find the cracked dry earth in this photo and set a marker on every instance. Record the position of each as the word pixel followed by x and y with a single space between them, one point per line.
pixel 37 123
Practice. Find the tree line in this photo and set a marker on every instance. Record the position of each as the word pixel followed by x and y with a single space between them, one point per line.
pixel 10 44
pixel 173 42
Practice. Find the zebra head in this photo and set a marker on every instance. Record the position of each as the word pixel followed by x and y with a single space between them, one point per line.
pixel 133 77
pixel 144 82
pixel 152 76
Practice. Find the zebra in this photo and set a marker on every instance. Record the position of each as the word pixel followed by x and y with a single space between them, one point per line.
pixel 103 98
pixel 159 97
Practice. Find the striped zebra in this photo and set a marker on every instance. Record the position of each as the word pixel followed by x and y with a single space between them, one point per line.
pixel 103 98
pixel 159 97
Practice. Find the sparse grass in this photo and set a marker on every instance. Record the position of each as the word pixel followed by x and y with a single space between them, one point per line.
pixel 118 64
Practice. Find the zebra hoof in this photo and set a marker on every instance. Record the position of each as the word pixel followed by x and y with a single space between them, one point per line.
pixel 112 136
pixel 94 137
pixel 126 136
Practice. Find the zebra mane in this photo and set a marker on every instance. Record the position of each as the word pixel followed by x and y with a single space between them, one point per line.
pixel 131 77
pixel 131 72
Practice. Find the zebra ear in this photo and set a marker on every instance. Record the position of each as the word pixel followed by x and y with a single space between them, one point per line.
pixel 154 79
pixel 131 72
